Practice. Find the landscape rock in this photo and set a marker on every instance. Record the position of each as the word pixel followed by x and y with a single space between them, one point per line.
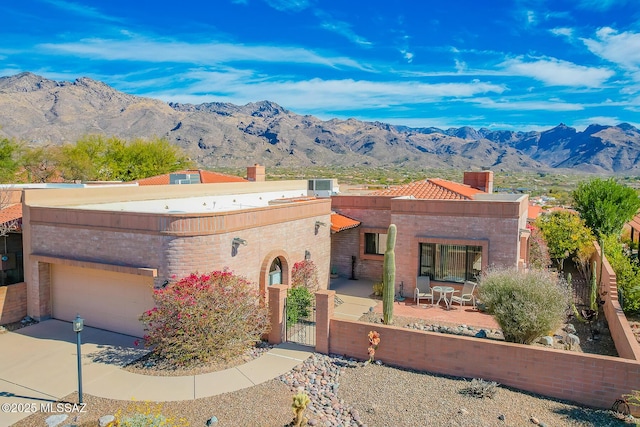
pixel 56 420
pixel 105 420
pixel 548 341
pixel 570 329
pixel 573 340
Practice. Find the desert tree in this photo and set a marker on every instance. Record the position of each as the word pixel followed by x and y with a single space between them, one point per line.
pixel 605 205
pixel 565 233
pixel 97 158
pixel 9 163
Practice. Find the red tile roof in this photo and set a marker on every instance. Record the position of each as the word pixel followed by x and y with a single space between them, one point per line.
pixel 341 222
pixel 432 189
pixel 206 177
pixel 534 212
pixel 11 213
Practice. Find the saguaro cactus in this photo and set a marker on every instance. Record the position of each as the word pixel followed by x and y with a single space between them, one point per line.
pixel 389 276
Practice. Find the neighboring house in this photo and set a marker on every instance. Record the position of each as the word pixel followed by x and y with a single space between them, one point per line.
pixel 99 252
pixel 445 230
pixel 11 266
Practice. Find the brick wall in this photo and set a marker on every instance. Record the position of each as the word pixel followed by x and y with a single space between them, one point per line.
pixel 94 244
pixel 344 245
pixel 13 303
pixel 196 243
pixel 494 225
pixel 587 379
pixel 289 240
pixel 623 337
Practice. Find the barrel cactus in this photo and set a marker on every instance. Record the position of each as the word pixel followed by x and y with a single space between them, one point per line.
pixel 389 276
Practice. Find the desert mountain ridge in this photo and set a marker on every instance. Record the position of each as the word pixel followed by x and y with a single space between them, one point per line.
pixel 42 111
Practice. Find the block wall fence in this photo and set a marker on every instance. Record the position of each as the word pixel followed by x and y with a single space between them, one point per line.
pixel 623 337
pixel 586 379
pixel 13 303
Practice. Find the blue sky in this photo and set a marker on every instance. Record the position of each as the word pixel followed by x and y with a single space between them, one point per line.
pixel 497 64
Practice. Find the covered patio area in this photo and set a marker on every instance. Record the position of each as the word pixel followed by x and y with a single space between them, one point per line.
pixel 355 298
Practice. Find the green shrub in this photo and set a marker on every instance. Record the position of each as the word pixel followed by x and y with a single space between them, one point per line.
pixel 526 305
pixel 298 304
pixel 627 274
pixel 377 288
pixel 203 317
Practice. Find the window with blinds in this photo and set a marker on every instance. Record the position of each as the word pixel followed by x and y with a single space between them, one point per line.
pixel 450 263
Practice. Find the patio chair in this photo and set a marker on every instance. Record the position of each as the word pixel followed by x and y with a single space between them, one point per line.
pixel 423 289
pixel 467 294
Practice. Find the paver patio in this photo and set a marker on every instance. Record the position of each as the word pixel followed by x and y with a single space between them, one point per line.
pixel 356 297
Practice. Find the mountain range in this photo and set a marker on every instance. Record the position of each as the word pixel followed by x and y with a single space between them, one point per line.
pixel 40 111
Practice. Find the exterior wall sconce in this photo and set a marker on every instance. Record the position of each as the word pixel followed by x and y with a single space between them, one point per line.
pixel 318 225
pixel 307 255
pixel 238 241
pixel 235 244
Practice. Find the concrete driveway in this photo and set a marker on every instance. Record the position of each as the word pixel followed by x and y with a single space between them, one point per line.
pixel 38 365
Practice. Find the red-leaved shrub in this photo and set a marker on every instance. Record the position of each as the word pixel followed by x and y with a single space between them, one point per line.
pixel 204 317
pixel 305 274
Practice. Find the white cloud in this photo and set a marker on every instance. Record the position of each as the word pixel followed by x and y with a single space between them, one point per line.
pixel 342 28
pixel 407 55
pixel 620 48
pixel 555 72
pixel 562 31
pixel 601 5
pixel 288 5
pixel 531 17
pixel 533 105
pixel 581 124
pixel 82 10
pixel 316 95
pixel 213 53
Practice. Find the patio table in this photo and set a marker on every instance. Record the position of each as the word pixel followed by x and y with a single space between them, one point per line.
pixel 443 291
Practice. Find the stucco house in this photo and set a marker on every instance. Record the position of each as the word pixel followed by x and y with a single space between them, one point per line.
pixel 445 230
pixel 100 251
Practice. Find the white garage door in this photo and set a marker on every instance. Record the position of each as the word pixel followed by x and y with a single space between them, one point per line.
pixel 104 299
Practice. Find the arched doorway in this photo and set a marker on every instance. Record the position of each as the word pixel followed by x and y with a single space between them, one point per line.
pixel 275 272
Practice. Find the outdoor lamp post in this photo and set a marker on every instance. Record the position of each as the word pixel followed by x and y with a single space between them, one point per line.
pixel 78 325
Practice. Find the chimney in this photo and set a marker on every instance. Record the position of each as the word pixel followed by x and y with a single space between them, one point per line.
pixel 255 173
pixel 481 180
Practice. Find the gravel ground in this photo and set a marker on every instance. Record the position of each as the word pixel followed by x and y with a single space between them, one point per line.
pixel 349 393
pixel 602 343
